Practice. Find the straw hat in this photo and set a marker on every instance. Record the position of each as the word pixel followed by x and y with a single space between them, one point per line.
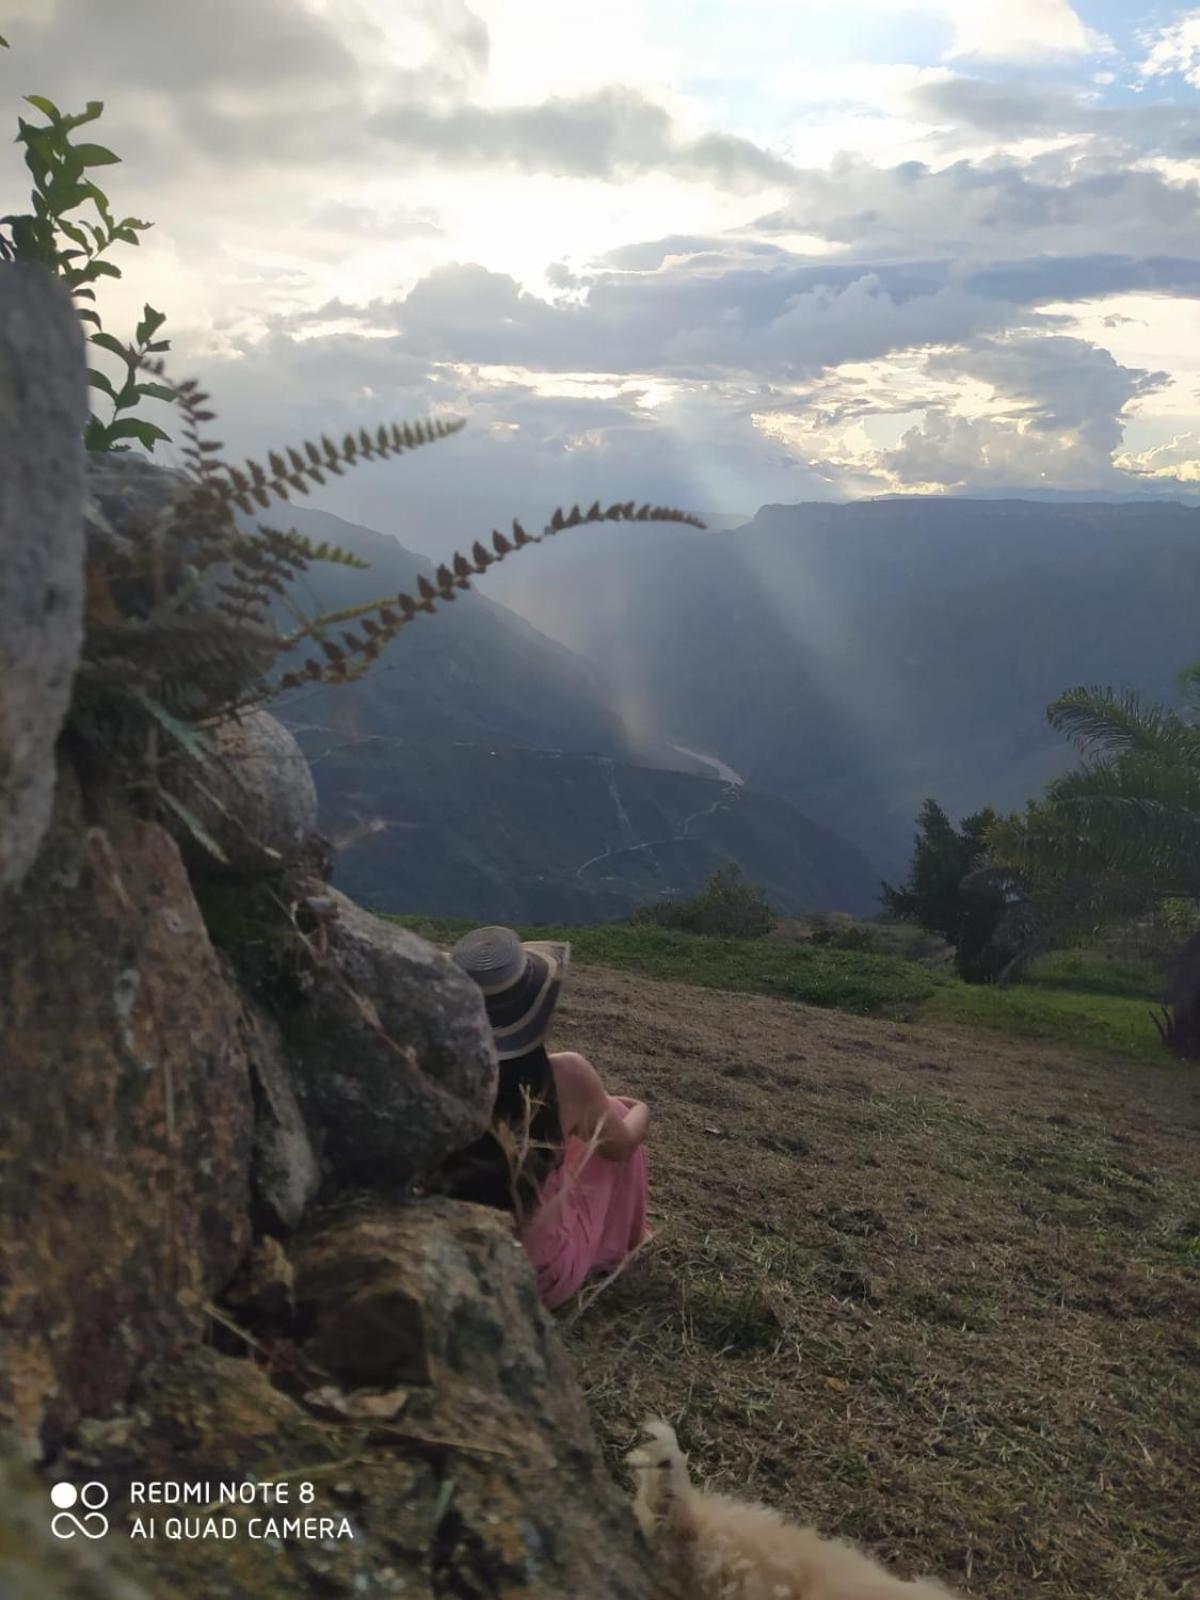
pixel 521 984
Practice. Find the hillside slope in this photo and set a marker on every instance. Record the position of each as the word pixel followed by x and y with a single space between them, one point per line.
pixel 504 834
pixel 479 670
pixel 933 1290
pixel 855 658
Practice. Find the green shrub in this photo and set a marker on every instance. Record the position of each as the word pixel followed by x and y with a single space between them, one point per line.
pixel 835 935
pixel 725 908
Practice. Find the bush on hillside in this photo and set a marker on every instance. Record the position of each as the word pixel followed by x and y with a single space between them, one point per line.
pixel 833 934
pixel 726 907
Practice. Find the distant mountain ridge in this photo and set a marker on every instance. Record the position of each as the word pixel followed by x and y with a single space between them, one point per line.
pixel 854 658
pixel 479 767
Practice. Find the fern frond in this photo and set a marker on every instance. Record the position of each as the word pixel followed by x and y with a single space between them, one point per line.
pixel 299 472
pixel 388 617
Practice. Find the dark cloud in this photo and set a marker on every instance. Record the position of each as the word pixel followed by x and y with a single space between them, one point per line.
pixel 651 254
pixel 1009 111
pixel 246 83
pixel 260 47
pixel 771 322
pixel 1073 277
pixel 612 133
pixel 1054 204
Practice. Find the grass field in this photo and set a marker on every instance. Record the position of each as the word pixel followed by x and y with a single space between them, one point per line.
pixel 927 1261
pixel 1075 999
pixel 934 1289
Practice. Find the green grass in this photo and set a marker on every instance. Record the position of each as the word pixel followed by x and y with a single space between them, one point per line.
pixel 870 985
pixel 1040 1009
pixel 1076 998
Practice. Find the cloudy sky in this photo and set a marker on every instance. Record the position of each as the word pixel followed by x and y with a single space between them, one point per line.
pixel 716 252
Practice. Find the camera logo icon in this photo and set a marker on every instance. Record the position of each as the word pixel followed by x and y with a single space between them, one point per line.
pixel 91 1523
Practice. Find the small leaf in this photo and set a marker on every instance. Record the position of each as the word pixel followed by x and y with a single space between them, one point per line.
pixel 99 269
pixel 94 108
pixel 113 346
pixel 46 107
pixel 151 322
pixel 94 155
pixel 146 433
pixel 99 381
pixel 194 826
pixel 157 391
pixel 193 741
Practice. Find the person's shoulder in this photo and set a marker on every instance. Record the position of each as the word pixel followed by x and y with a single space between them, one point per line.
pixel 574 1070
pixel 580 1092
pixel 570 1061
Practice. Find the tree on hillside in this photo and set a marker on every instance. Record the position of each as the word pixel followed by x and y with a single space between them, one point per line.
pixel 1119 836
pixel 942 897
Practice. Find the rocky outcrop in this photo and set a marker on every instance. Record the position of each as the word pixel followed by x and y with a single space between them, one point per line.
pixel 467 1468
pixel 435 1299
pixel 42 410
pixel 169 1115
pixel 125 1122
pixel 253 795
pixel 391 1050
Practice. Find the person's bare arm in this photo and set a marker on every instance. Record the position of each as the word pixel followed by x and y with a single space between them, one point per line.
pixel 590 1112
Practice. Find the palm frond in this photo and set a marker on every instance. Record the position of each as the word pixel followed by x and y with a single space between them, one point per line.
pixel 1117 720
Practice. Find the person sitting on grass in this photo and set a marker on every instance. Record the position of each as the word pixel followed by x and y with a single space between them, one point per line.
pixel 565 1156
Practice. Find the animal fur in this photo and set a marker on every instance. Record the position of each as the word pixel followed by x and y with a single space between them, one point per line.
pixel 720 1548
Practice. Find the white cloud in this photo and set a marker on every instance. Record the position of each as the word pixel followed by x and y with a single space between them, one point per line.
pixel 1175 49
pixel 1020 30
pixel 551 219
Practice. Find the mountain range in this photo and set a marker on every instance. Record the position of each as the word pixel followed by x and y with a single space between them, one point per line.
pixel 855 658
pixel 481 768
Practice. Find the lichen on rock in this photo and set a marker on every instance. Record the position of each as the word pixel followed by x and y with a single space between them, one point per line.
pixel 126 1120
pixel 42 410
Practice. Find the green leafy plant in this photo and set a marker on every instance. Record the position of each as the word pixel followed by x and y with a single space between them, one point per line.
pixel 74 247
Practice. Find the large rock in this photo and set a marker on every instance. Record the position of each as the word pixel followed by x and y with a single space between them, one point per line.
pixel 390 1048
pixel 125 1121
pixel 483 1480
pixel 254 796
pixel 125 496
pixel 433 1302
pixel 441 1498
pixel 43 407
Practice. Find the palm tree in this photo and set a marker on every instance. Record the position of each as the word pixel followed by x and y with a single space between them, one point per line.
pixel 1117 836
pixel 1129 815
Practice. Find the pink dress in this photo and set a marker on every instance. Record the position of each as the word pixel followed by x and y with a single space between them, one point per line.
pixel 591 1215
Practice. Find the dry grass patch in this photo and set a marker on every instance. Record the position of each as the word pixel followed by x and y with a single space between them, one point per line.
pixel 936 1291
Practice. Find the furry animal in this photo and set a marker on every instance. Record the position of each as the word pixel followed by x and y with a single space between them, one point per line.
pixel 720 1548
